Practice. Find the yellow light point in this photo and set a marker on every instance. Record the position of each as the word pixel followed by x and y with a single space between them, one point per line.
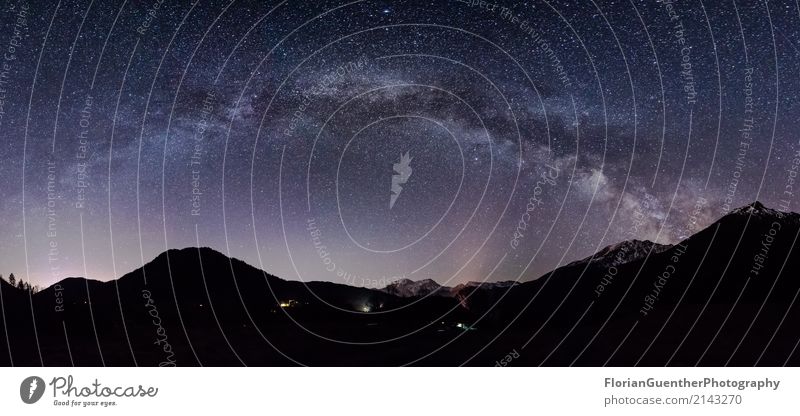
pixel 285 304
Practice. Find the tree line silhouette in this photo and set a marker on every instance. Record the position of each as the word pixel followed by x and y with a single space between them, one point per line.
pixel 20 284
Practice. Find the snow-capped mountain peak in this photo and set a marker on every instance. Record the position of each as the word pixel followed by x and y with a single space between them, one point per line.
pixel 410 288
pixel 757 209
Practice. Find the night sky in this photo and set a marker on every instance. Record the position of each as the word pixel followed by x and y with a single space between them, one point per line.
pixel 536 133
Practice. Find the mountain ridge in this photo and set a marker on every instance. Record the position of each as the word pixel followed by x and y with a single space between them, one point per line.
pixel 718 297
pixel 634 249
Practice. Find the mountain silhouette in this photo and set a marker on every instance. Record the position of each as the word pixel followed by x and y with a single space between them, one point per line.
pixel 724 296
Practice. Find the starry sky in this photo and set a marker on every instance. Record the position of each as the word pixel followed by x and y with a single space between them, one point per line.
pixel 536 132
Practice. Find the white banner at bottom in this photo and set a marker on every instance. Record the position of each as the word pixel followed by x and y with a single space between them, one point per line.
pixel 398 391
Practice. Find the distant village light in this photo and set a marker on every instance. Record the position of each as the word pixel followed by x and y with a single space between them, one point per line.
pixel 465 327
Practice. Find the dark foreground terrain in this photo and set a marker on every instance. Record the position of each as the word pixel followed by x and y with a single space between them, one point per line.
pixel 725 296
